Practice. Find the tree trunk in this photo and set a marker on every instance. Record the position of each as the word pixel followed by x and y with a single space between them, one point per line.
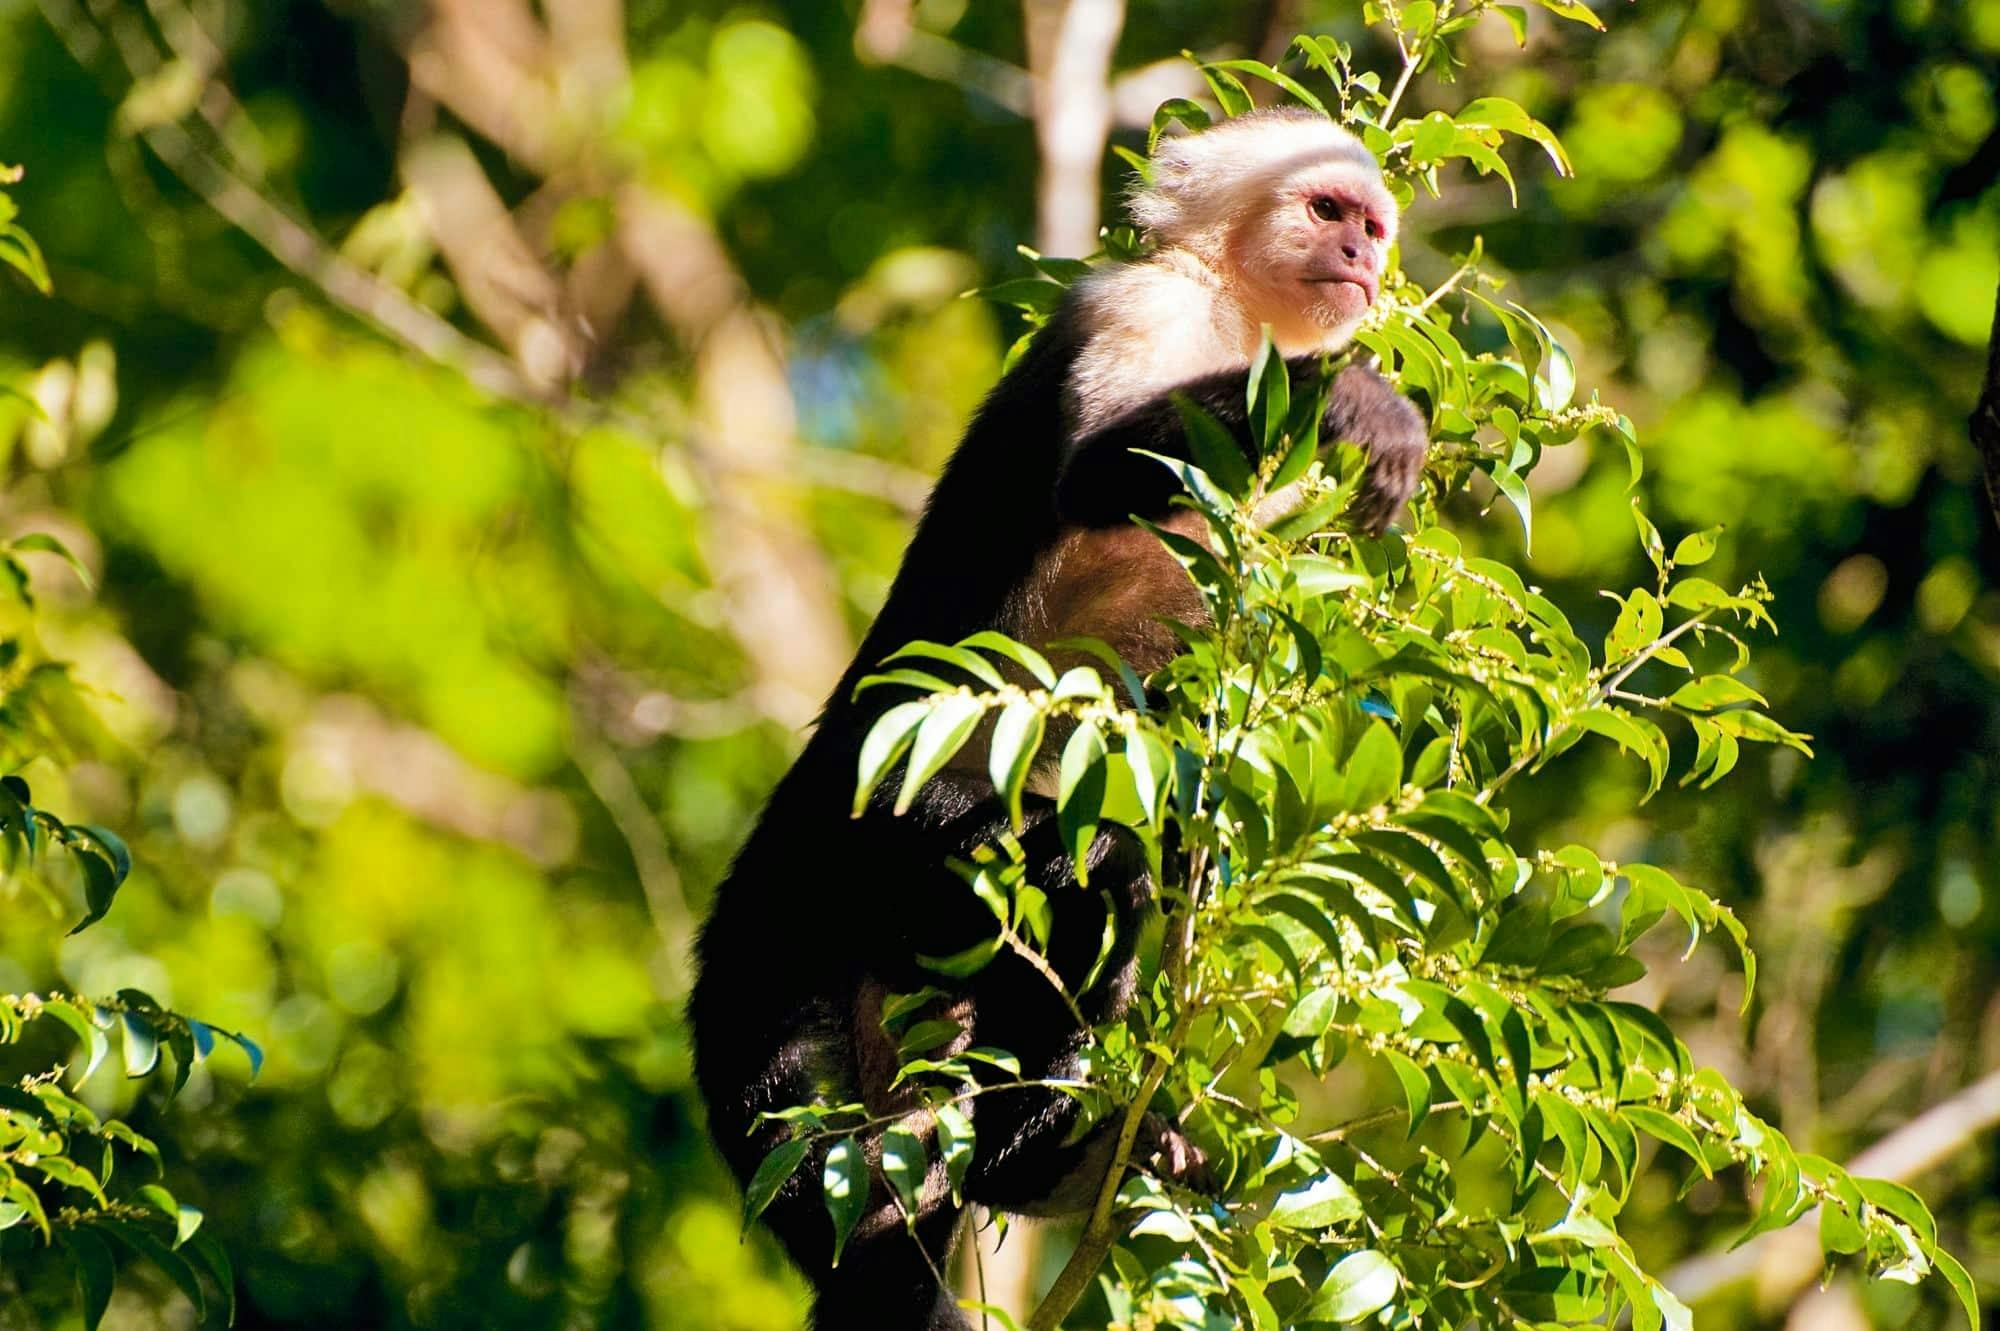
pixel 1985 427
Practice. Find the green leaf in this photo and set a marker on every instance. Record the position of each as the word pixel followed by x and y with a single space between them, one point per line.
pixel 1698 548
pixel 1500 114
pixel 1668 1129
pixel 1229 91
pixel 142 1044
pixel 844 1184
pixel 971 662
pixel 48 544
pixel 1388 881
pixel 95 1043
pixel 1320 1204
pixel 1214 450
pixel 95 1272
pixel 904 1164
pixel 1960 1281
pixel 177 1268
pixel 1434 134
pixel 1259 70
pixel 1712 693
pixel 1698 594
pixel 1017 738
pixel 1649 537
pixel 1080 794
pixel 67 1172
pixel 1902 1203
pixel 1309 914
pixel 888 739
pixel 100 888
pixel 1573 11
pixel 940 735
pixel 1839 1232
pixel 772 1174
pixel 1374 770
pixel 1174 109
pixel 19 251
pixel 955 1140
pixel 1019 653
pixel 18 1195
pixel 1637 626
pixel 1151 767
pixel 1314 517
pixel 210 1256
pixel 1033 294
pixel 1304 1025
pixel 968 962
pixel 1414 855
pixel 1633 734
pixel 1317 575
pixel 1359 1284
pixel 1416 1084
pixel 1510 484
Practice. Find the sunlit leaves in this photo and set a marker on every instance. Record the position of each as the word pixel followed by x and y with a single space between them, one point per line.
pixel 844 1182
pixel 772 1174
pixel 59 1160
pixel 18 249
pixel 1321 1204
pixel 1320 784
pixel 1358 1284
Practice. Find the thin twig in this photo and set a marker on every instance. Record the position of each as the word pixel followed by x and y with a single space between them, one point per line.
pixel 1652 649
pixel 1445 287
pixel 1410 63
pixel 294 245
pixel 639 826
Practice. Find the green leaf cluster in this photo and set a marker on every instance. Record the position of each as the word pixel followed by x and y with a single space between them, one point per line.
pixel 77 1181
pixel 1323 793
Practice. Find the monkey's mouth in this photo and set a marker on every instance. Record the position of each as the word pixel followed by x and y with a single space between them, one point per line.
pixel 1366 286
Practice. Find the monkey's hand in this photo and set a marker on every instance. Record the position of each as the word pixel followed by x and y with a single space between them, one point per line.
pixel 1103 481
pixel 1364 408
pixel 1171 1154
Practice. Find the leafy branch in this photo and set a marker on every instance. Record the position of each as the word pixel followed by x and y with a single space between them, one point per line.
pixel 1325 779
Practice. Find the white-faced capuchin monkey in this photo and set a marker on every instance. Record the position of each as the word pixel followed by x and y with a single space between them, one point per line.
pixel 1276 218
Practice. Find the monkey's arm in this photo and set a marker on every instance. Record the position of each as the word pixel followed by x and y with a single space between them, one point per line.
pixel 1104 482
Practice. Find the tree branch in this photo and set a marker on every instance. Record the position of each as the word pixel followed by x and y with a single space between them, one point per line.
pixel 1786 1261
pixel 289 241
pixel 1069 53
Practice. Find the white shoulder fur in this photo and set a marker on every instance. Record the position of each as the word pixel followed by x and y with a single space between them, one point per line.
pixel 1149 326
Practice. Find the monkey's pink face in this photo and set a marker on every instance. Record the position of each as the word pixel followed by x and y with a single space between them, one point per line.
pixel 1318 254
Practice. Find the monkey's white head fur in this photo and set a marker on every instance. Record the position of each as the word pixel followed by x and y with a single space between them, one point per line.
pixel 1204 183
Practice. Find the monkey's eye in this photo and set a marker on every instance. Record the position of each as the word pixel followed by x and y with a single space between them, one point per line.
pixel 1375 229
pixel 1326 208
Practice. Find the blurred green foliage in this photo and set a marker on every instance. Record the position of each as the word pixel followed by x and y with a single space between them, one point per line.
pixel 424 716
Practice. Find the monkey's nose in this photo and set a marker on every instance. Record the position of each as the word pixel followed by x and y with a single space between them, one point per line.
pixel 1351 250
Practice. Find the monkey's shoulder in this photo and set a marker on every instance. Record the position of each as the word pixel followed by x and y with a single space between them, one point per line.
pixel 1144 328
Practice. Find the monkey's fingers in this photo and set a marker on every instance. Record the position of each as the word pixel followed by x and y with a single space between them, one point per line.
pixel 1391 480
pixel 1172 1155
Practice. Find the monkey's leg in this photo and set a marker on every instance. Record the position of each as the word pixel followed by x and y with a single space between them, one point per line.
pixel 1030 1156
pixel 888 1276
pixel 1104 482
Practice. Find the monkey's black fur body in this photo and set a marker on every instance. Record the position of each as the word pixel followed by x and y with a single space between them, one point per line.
pixel 822 914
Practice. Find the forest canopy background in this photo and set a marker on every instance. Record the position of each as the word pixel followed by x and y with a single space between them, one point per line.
pixel 432 714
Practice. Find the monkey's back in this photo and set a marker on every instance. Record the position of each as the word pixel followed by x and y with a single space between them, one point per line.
pixel 803 915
